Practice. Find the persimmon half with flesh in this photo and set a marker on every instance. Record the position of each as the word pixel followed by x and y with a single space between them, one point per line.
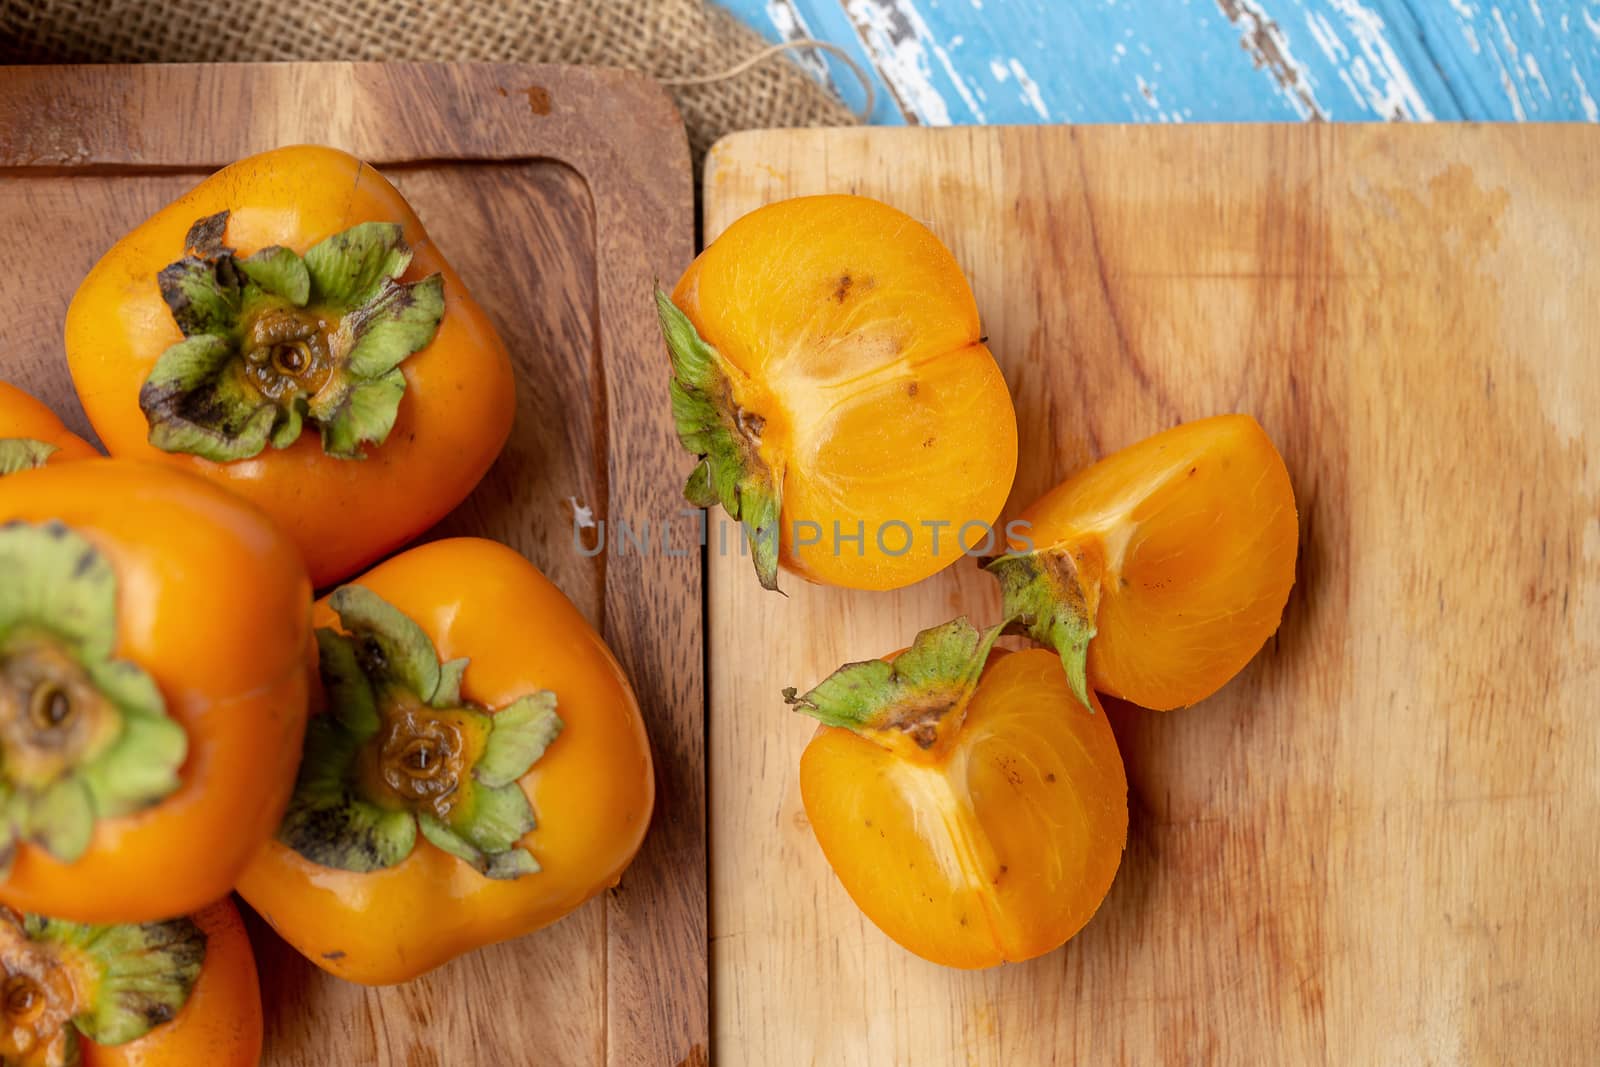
pixel 973 809
pixel 1161 570
pixel 831 375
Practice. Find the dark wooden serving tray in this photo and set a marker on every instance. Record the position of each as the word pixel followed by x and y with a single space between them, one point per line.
pixel 560 194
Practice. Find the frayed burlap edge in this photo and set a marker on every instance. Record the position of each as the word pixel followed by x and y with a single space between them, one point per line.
pixel 662 38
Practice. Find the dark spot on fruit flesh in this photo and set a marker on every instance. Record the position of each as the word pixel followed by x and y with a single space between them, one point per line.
pixel 928 443
pixel 1008 771
pixel 538 100
pixel 842 293
pixel 1001 873
pixel 336 954
pixel 911 389
pixel 1050 777
pixel 920 722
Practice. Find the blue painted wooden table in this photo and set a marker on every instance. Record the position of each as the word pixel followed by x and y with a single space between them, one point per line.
pixel 1024 61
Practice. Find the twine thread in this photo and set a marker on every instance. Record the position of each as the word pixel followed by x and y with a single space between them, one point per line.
pixel 808 43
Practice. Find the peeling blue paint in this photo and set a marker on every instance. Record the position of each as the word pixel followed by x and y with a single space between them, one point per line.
pixel 1028 61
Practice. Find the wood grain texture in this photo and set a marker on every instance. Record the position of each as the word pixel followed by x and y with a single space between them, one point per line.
pixel 1377 844
pixel 560 194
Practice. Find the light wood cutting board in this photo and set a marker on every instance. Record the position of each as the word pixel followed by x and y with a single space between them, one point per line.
pixel 1380 843
pixel 559 194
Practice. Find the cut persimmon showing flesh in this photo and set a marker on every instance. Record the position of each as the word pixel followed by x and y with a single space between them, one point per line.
pixel 971 807
pixel 831 377
pixel 1160 571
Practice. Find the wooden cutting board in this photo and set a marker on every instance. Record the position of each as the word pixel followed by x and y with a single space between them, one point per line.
pixel 560 194
pixel 1380 843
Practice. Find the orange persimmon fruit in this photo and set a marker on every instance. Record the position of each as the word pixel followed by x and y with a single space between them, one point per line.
pixel 170 993
pixel 832 379
pixel 972 808
pixel 1159 571
pixel 288 328
pixel 31 435
pixel 479 770
pixel 153 638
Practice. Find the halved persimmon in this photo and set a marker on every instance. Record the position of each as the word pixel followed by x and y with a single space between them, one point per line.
pixel 831 375
pixel 971 807
pixel 1161 570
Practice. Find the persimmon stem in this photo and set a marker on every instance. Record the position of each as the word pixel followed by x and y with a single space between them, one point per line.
pixel 1053 596
pixel 83 735
pixel 24 999
pixel 50 707
pixel 912 704
pixel 419 757
pixel 110 984
pixel 400 754
pixel 725 440
pixel 275 341
pixel 51 715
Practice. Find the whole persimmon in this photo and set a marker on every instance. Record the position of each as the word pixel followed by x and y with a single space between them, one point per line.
pixel 480 768
pixel 972 808
pixel 153 639
pixel 170 993
pixel 1158 572
pixel 289 329
pixel 31 435
pixel 831 376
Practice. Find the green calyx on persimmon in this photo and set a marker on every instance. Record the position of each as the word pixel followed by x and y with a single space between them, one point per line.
pixel 1053 596
pixel 275 339
pixel 910 703
pixel 83 735
pixel 23 453
pixel 111 984
pixel 399 750
pixel 724 438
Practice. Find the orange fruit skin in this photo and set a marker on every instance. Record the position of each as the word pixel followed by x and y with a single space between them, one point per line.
pixel 856 340
pixel 592 791
pixel 213 602
pixel 1198 530
pixel 23 416
pixel 344 514
pixel 220 1025
pixel 1000 846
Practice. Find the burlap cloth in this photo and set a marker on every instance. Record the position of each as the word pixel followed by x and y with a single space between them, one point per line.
pixel 663 38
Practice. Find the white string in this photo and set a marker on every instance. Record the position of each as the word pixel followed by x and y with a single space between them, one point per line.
pixel 865 114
